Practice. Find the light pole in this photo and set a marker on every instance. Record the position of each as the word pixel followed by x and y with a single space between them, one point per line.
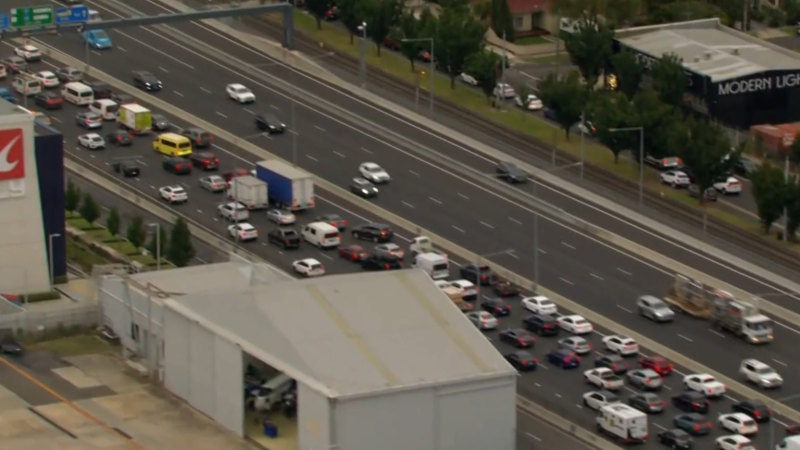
pixel 157 226
pixel 641 157
pixel 363 29
pixel 50 251
pixel 478 270
pixel 430 69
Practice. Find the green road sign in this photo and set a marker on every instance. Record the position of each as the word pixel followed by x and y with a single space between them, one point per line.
pixel 31 16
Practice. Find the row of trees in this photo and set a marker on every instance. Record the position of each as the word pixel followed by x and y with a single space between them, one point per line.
pixel 776 193
pixel 176 246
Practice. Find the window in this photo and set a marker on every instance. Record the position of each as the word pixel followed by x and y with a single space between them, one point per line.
pixel 518 23
pixel 135 332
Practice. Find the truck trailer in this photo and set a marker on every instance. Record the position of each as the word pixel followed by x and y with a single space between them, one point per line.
pixel 289 187
pixel 136 118
pixel 624 423
pixel 249 191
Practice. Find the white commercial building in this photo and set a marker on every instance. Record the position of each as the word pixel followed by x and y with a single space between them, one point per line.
pixel 382 360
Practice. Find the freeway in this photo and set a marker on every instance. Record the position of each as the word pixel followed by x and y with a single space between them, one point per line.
pixel 579 267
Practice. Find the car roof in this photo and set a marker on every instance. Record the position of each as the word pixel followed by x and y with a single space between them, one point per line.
pixel 93 135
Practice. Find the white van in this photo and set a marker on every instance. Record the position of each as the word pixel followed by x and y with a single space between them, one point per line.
pixel 789 443
pixel 623 422
pixel 94 16
pixel 78 93
pixel 271 393
pixel 435 265
pixel 26 84
pixel 321 234
pixel 108 109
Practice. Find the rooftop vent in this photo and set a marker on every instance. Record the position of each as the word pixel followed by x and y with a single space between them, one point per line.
pixel 708 55
pixel 735 51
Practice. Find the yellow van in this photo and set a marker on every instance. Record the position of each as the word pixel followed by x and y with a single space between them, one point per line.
pixel 173 144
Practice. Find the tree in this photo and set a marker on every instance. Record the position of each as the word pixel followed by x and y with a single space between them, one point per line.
pixel 352 13
pixel 457 35
pixel 501 20
pixel 614 110
pixel 136 232
pixel 621 12
pixel 769 192
pixel 318 9
pixel 89 209
pixel 180 251
pixel 566 97
pixel 669 79
pixel 407 28
pixel 72 196
pixel 629 72
pixel 586 10
pixel 707 152
pixel 792 206
pixel 590 49
pixel 663 124
pixel 382 16
pixel 484 66
pixel 112 221
pixel 161 243
pixel 681 11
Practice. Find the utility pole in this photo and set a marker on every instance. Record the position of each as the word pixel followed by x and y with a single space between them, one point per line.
pixel 785 210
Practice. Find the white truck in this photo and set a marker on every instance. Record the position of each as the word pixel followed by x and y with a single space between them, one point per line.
pixel 249 191
pixel 422 244
pixel 623 422
pixel 26 84
pixel 789 443
pixel 434 264
pixel 136 118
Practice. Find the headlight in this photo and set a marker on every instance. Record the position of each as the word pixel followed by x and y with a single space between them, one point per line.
pixel 365 191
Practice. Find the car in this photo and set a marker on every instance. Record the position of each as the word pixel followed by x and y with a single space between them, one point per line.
pixel 176 165
pixel 333 219
pixel 363 188
pixel 67 74
pixel 530 103
pixel 710 194
pixel 374 173
pixel 792 429
pixel 238 92
pixel 174 194
pixel 587 128
pixel 97 39
pixel 126 168
pixel 744 167
pixel 541 324
pixel 9 346
pixel 213 183
pixel 160 123
pixel 7 95
pixel 424 55
pixel 468 290
pixel 753 408
pixel 47 78
pixel 388 250
pixel 204 160
pixel 564 358
pixel 495 306
pixel 353 252
pixel 101 90
pixel 577 344
pixel 739 423
pixel 88 120
pixel 119 137
pixel 510 172
pixel 647 402
pixel 760 373
pixel 15 64
pixel 645 379
pixel 539 304
pixel 654 308
pixel 505 288
pixel 233 211
pixel 522 360
pixel 693 423
pixel 483 320
pixel 284 237
pixel 734 442
pixel 728 186
pixel 657 363
pixel 665 163
pixel 281 216
pixel 269 122
pixel 674 178
pixel 691 401
pixel 621 344
pixel 504 91
pixel 49 100
pixel 705 384
pixel 575 324
pixel 604 378
pixel 676 439
pixel 92 141
pixel 612 361
pixel 373 231
pixel 28 52
pixel 147 81
pixel 381 262
pixel 308 267
pixel 518 337
pixel 200 138
pixel 478 274
pixel 597 399
pixel 467 79
pixel 332 13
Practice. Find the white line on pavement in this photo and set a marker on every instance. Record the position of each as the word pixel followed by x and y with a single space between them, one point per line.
pixel 569 246
pixel 407 204
pixel 435 200
pixel 274 107
pixel 339 154
pixel 487 225
pixel 780 362
pixel 248 111
pixel 686 338
pixel 623 271
pixel 177 93
pixel 122 49
pixel 594 275
pixel 409 170
pixel 624 309
pixel 311 158
pixel 463 196
pixel 207 91
pixel 566 281
pixel 515 221
pixel 163 69
pixel 326 256
pixel 224 116
pixel 717 333
pixel 366 150
pixel 457 229
pixel 319 128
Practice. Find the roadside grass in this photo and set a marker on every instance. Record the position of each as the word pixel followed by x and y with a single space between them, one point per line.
pixel 561 59
pixel 124 247
pixel 531 40
pixel 83 256
pixel 81 344
pixel 148 260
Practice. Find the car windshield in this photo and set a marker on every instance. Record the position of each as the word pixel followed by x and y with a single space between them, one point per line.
pixel 100 34
pixel 373 169
pixel 764 370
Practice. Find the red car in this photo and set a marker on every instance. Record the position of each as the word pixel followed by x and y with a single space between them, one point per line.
pixel 658 364
pixel 505 288
pixel 353 252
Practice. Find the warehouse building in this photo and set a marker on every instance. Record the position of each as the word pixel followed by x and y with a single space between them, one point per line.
pixel 734 78
pixel 381 360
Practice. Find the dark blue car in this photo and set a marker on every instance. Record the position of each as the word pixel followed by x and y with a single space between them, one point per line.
pixel 564 358
pixel 5 94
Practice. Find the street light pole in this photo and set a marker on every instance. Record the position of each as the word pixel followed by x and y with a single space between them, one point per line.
pixel 431 68
pixel 158 243
pixel 50 251
pixel 363 73
pixel 641 157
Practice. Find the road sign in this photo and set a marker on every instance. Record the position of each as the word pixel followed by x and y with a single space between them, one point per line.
pixel 75 14
pixel 5 22
pixel 31 16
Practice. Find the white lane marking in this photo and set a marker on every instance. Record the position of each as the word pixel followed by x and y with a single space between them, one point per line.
pixel 224 116
pixel 435 200
pixel 594 275
pixel 248 111
pixel 274 107
pixel 326 256
pixel 666 387
pixel 407 204
pixel 515 221
pixel 311 158
pixel 717 333
pixel 659 426
pixel 457 229
pixel 624 309
pixel 122 49
pixel 56 119
pixel 411 172
pixel 571 247
pixel 163 69
pixel 207 91
pixel 537 384
pixel 177 93
pixel 542 251
pixel 534 437
pixel 566 281
pixel 319 128
pixel 463 196
pixel 780 362
pixel 686 338
pixel 199 211
pixel 97 53
pixel 294 132
pixel 487 225
pixel 152 187
pixel 558 395
pixel 543 367
pixel 511 254
pixel 366 150
pixel 152 49
pixel 141 163
pixel 623 271
pixel 339 154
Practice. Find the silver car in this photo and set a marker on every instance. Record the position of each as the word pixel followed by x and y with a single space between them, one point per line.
pixel 281 217
pixel 577 344
pixel 654 309
pixel 645 379
pixel 483 320
pixel 213 183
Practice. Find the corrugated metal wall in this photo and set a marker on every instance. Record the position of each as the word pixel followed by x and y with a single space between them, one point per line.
pixel 313 419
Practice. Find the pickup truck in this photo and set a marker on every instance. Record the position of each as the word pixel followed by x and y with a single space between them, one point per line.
pixel 422 244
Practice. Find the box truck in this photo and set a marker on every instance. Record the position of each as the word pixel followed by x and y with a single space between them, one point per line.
pixel 623 422
pixel 435 265
pixel 249 191
pixel 289 187
pixel 136 118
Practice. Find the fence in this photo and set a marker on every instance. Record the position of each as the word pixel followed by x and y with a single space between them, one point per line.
pixel 40 322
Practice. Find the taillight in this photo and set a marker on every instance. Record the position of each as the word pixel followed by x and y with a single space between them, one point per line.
pixel 566 360
pixel 50 102
pixel 119 138
pixel 578 358
pixel 521 341
pixel 695 404
pixel 206 162
pixel 648 381
pixel 387 266
pixel 708 424
pixel 696 427
pixel 614 367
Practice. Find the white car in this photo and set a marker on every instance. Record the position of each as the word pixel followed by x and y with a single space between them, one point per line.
pixel 504 91
pixel 240 93
pixel 281 217
pixel 734 442
pixel 467 79
pixel 575 324
pixel 598 399
pixel 28 52
pixel 620 344
pixel 675 178
pixel 539 304
pixel 174 194
pixel 739 423
pixel 530 103
pixel 92 141
pixel 309 267
pixel 729 185
pixel 47 78
pixel 760 373
pixel 483 320
pixel 468 290
pixel 243 231
pixel 604 378
pixel 705 384
pixel 373 173
pixel 233 211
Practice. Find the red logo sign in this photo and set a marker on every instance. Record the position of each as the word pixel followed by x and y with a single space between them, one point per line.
pixel 12 154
